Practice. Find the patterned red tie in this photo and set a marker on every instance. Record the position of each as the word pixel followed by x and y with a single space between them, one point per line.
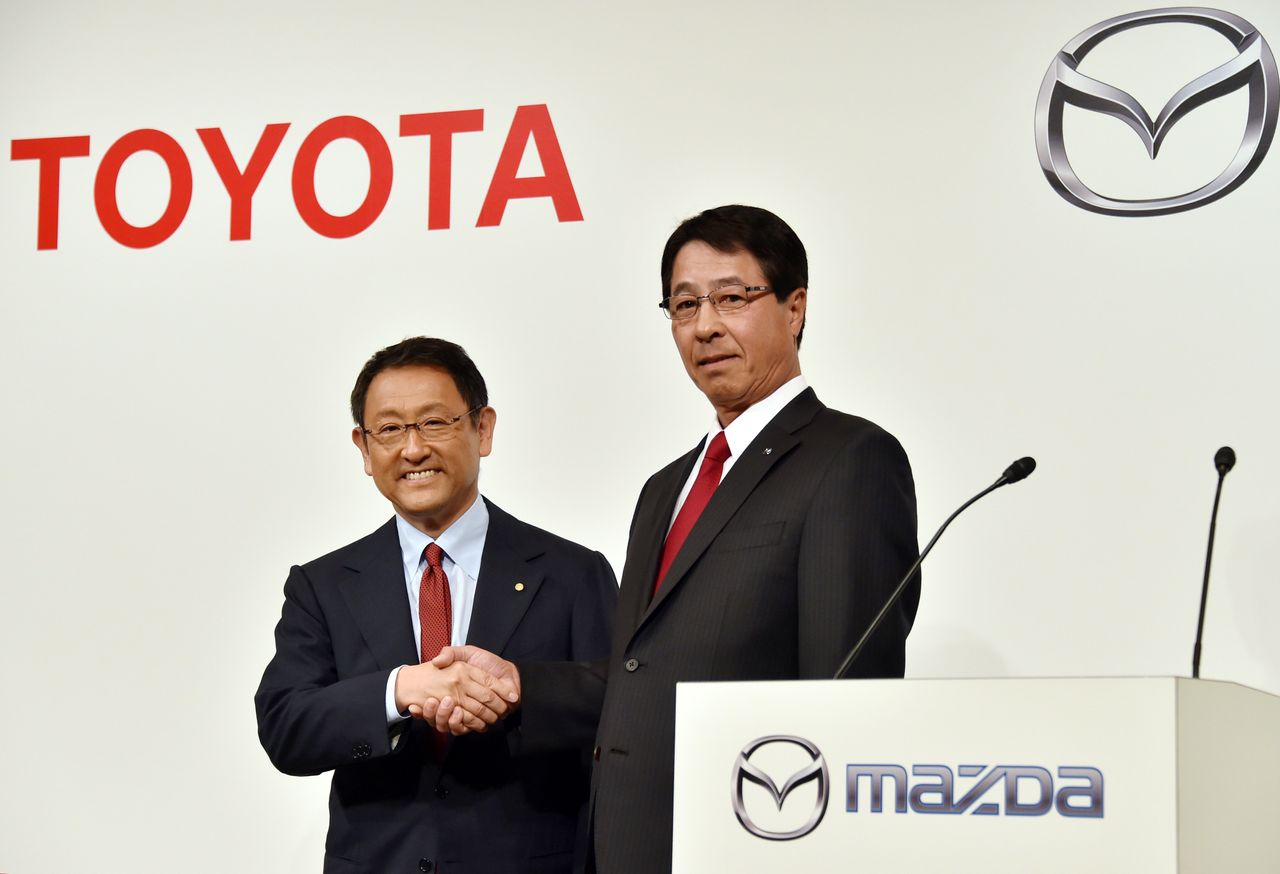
pixel 435 607
pixel 435 615
pixel 694 504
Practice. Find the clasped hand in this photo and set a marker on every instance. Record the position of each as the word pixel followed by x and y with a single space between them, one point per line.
pixel 463 689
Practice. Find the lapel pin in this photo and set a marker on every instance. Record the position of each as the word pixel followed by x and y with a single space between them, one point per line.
pixel 519 587
pixel 768 450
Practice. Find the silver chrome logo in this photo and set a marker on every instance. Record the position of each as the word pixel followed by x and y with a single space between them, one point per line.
pixel 744 770
pixel 1254 66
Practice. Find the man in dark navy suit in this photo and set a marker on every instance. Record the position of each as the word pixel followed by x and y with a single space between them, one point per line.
pixel 360 627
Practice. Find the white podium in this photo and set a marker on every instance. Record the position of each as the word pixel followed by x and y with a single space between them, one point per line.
pixel 1025 776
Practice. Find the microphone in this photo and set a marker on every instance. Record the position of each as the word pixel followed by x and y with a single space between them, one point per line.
pixel 1016 472
pixel 1021 469
pixel 1224 459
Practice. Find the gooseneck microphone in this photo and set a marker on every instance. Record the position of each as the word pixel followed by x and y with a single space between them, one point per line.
pixel 1224 459
pixel 1016 472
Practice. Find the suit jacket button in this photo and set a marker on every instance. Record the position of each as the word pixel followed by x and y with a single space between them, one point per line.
pixel 442 792
pixel 425 866
pixel 632 665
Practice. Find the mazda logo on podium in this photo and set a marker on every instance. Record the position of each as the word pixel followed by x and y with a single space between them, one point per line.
pixel 812 767
pixel 1253 67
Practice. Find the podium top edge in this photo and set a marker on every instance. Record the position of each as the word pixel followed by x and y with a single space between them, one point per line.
pixel 1153 679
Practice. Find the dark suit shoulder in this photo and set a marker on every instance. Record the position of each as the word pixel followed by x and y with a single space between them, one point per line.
pixel 354 553
pixel 532 540
pixel 845 428
pixel 832 418
pixel 676 468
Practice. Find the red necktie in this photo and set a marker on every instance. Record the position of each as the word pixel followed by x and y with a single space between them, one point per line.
pixel 435 607
pixel 435 615
pixel 695 503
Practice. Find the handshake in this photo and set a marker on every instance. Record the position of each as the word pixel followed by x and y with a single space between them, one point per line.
pixel 463 689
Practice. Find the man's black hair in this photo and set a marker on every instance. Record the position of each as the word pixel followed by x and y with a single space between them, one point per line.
pixel 423 352
pixel 737 228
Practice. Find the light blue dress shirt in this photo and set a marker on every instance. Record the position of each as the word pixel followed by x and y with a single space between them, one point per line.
pixel 463 546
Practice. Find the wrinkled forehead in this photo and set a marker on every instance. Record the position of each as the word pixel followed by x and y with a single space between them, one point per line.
pixel 413 391
pixel 700 267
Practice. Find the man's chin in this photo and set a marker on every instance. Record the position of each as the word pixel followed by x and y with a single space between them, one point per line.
pixel 419 506
pixel 722 393
pixel 716 385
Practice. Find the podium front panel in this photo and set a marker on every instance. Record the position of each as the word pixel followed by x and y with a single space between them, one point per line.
pixel 927 775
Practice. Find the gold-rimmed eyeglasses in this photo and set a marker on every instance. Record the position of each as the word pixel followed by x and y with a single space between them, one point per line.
pixel 432 429
pixel 725 299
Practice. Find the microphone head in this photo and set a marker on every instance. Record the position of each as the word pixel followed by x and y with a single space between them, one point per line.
pixel 1020 470
pixel 1224 459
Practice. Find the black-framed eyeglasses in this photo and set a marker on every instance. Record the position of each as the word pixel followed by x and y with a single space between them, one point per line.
pixel 432 429
pixel 725 299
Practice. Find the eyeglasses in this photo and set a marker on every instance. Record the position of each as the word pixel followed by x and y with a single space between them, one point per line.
pixel 725 299
pixel 432 429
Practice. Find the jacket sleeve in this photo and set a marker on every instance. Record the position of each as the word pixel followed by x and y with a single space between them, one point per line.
pixel 593 612
pixel 310 719
pixel 859 538
pixel 560 701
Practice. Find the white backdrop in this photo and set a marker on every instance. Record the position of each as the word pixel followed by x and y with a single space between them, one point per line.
pixel 176 432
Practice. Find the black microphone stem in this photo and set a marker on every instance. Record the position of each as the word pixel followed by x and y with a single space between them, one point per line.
pixel 897 593
pixel 1204 589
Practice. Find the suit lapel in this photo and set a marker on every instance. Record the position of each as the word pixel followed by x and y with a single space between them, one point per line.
pixel 375 594
pixel 649 532
pixel 499 605
pixel 774 441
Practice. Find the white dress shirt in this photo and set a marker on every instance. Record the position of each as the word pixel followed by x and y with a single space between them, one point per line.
pixel 741 431
pixel 463 546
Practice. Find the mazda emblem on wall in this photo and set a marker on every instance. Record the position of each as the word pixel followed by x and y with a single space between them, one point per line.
pixel 745 771
pixel 1253 66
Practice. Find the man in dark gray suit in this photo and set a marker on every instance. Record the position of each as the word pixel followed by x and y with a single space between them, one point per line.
pixel 360 626
pixel 763 553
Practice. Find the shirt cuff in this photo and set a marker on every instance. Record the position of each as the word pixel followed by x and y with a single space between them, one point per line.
pixel 393 715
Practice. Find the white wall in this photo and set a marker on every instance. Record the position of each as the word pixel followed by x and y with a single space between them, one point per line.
pixel 176 433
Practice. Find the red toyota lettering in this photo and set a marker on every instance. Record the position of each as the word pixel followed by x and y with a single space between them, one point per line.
pixel 530 123
pixel 49 152
pixel 104 188
pixel 241 184
pixel 304 177
pixel 440 127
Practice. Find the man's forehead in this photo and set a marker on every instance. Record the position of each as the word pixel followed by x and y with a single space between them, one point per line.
pixel 408 400
pixel 699 264
pixel 413 388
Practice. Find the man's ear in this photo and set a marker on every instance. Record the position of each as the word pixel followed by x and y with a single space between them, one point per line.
pixel 796 305
pixel 488 419
pixel 361 441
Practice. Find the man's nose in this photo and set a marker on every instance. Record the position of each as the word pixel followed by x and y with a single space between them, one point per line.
pixel 706 321
pixel 416 447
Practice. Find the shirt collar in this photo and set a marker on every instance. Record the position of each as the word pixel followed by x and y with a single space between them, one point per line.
pixel 462 542
pixel 751 421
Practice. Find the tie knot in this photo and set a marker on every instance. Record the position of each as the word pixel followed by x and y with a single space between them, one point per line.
pixel 718 451
pixel 434 555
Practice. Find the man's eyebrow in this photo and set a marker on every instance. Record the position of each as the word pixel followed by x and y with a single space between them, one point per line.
pixel 690 288
pixel 430 409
